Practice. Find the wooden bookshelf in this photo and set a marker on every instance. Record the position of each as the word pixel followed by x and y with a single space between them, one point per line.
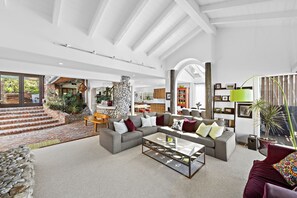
pixel 183 97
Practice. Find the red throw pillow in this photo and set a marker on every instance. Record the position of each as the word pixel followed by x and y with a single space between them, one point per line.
pixel 130 125
pixel 189 125
pixel 160 120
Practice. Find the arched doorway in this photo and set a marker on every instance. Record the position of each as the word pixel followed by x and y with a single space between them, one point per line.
pixel 190 80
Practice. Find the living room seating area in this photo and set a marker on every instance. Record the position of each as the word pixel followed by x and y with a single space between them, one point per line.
pixel 221 147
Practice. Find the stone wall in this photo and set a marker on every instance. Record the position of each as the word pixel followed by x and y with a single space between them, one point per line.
pixel 122 96
pixel 65 117
pixel 16 173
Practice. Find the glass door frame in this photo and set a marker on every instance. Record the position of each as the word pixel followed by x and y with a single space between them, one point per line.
pixel 22 89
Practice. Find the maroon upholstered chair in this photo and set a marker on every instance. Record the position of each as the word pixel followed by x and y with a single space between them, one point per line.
pixel 263 172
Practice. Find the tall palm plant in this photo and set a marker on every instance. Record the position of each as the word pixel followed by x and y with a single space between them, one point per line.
pixel 271 115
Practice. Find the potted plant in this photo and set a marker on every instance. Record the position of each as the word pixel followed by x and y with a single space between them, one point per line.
pixel 271 118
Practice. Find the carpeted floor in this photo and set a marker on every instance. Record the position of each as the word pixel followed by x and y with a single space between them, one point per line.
pixel 85 169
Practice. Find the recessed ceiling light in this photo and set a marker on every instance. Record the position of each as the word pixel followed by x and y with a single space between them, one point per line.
pixel 60 63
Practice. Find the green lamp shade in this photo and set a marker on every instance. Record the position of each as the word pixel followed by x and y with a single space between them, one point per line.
pixel 241 95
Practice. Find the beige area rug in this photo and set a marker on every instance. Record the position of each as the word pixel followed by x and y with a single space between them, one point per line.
pixel 85 169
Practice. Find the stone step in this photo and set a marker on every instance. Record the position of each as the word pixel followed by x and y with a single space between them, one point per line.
pixel 26 119
pixel 20 108
pixel 32 111
pixel 28 129
pixel 16 116
pixel 27 124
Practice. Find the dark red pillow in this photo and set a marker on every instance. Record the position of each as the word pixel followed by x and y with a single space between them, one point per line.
pixel 189 125
pixel 160 120
pixel 130 125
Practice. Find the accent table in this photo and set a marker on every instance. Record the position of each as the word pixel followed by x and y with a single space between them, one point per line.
pixel 181 155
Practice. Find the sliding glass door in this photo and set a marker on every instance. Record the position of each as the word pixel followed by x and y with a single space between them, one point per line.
pixel 20 90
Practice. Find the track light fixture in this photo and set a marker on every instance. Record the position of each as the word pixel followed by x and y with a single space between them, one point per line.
pixel 103 55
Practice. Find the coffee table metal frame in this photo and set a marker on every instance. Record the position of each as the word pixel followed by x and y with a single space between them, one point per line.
pixel 193 165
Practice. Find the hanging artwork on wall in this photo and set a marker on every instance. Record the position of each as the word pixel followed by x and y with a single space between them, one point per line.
pixel 244 111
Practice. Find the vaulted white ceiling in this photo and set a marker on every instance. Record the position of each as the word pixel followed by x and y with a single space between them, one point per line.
pixel 153 28
pixel 156 27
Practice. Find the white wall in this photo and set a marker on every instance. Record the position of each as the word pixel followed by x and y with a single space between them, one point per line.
pixel 199 48
pixel 241 53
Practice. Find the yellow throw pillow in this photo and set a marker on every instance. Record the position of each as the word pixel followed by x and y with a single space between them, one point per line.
pixel 216 131
pixel 203 130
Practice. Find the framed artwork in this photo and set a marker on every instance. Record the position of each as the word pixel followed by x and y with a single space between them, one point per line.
pixel 225 98
pixel 244 111
pixel 168 95
pixel 218 86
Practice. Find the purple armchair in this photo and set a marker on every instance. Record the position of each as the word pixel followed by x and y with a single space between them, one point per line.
pixel 262 172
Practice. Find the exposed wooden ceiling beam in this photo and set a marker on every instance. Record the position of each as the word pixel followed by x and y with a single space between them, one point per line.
pixel 165 14
pixel 133 16
pixel 254 17
pixel 167 35
pixel 228 4
pixel 193 10
pixel 97 17
pixel 180 43
pixel 57 12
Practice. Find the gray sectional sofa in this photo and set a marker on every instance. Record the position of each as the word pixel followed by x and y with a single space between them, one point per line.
pixel 221 148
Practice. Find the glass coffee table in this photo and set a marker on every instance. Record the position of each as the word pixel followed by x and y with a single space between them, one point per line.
pixel 178 154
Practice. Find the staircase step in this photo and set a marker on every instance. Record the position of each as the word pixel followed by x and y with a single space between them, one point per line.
pixel 16 116
pixel 27 124
pixel 27 129
pixel 22 112
pixel 26 119
pixel 20 108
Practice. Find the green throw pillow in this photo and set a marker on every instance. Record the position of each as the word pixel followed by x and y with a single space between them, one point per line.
pixel 203 130
pixel 216 131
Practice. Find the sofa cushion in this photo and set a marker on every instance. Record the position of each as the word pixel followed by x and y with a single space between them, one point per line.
pixel 126 137
pixel 148 130
pixel 193 137
pixel 167 117
pixel 260 174
pixel 210 122
pixel 146 122
pixel 216 131
pixel 203 130
pixel 170 131
pixel 178 124
pixel 130 125
pixel 288 169
pixel 160 120
pixel 189 125
pixel 110 123
pixel 120 127
pixel 149 114
pixel 175 117
pixel 136 120
pixel 178 117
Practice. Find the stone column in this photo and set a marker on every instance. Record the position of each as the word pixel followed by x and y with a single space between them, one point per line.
pixel 173 90
pixel 122 96
pixel 208 91
pixel 132 100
